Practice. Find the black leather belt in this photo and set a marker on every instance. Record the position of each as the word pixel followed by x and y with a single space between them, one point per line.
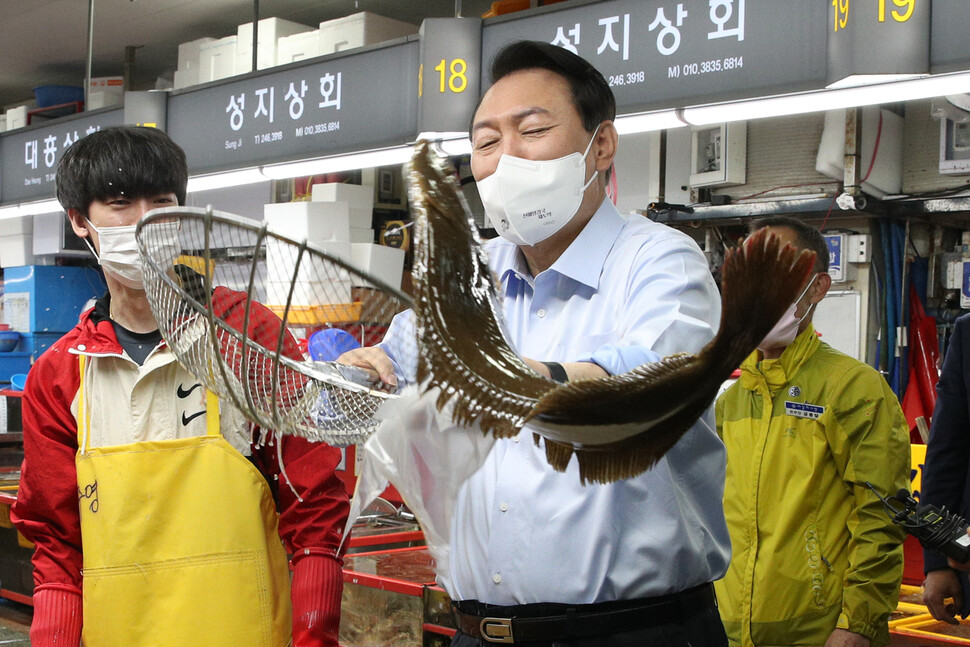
pixel 545 622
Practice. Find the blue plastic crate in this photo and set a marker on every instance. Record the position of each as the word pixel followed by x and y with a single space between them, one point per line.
pixel 34 344
pixel 55 95
pixel 13 363
pixel 55 295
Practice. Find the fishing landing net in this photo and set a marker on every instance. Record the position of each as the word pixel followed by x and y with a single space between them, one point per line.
pixel 231 298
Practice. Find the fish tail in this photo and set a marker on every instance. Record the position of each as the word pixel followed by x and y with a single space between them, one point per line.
pixel 759 281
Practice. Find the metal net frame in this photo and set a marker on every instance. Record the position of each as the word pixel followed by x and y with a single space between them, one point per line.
pixel 231 298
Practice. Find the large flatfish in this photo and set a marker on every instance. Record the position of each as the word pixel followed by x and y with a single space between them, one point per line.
pixel 617 426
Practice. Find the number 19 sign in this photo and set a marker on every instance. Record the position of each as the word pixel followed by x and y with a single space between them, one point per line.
pixel 449 80
pixel 878 37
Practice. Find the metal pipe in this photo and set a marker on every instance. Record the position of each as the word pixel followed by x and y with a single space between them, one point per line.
pixel 457 8
pixel 87 75
pixel 255 33
pixel 129 67
pixel 853 144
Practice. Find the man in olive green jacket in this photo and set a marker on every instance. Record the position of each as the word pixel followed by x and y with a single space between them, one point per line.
pixel 816 560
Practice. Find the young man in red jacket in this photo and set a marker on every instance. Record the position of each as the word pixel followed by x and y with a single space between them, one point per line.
pixel 156 516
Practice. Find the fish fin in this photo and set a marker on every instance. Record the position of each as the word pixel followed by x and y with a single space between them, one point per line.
pixel 611 466
pixel 759 281
pixel 558 454
pixel 609 463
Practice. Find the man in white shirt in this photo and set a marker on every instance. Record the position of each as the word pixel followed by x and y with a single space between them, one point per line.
pixel 537 556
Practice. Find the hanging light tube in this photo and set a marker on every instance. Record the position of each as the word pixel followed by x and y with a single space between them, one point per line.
pixel 649 121
pixel 818 101
pixel 337 163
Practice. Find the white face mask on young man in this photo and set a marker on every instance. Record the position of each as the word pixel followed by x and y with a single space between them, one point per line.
pixel 528 201
pixel 119 250
pixel 786 329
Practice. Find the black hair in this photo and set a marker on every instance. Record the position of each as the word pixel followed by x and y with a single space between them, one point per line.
pixel 130 161
pixel 591 94
pixel 806 236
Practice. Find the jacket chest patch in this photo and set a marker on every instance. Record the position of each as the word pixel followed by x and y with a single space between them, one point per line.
pixel 802 410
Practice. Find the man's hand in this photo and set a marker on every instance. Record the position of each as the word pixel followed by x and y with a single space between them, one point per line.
pixel 942 584
pixel 845 638
pixel 377 364
pixel 960 566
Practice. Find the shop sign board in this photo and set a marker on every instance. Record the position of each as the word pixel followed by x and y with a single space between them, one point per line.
pixel 450 75
pixel 29 157
pixel 663 54
pixel 878 37
pixel 950 28
pixel 344 103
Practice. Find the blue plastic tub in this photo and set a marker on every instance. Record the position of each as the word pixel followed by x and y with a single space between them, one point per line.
pixel 17 381
pixel 8 340
pixel 54 95
pixel 329 344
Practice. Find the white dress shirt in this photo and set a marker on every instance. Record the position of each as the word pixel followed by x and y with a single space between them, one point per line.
pixel 627 291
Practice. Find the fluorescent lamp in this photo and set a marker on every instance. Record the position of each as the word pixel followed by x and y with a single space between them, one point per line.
pixel 449 143
pixel 793 104
pixel 225 180
pixel 856 80
pixel 367 159
pixel 648 121
pixel 43 206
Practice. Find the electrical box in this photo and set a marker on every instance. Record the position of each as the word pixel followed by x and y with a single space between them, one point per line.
pixel 858 248
pixel 718 154
pixel 954 147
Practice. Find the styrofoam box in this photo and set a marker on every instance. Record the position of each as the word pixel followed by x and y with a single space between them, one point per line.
pixel 359 29
pixel 217 60
pixel 315 282
pixel 101 99
pixel 48 233
pixel 270 31
pixel 380 261
pixel 16 250
pixel 361 235
pixel 885 176
pixel 307 293
pixel 189 53
pixel 3 123
pixel 16 226
pixel 359 199
pixel 109 84
pixel 186 78
pixel 310 221
pixel 359 196
pixel 298 47
pixel 281 259
pixel 16 117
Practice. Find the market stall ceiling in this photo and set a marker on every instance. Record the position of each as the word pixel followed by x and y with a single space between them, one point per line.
pixel 44 42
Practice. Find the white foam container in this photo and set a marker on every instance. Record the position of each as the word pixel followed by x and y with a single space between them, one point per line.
pixel 359 29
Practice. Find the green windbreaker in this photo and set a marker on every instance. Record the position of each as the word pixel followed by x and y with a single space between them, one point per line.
pixel 813 548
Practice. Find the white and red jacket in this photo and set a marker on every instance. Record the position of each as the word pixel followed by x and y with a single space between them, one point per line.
pixel 157 400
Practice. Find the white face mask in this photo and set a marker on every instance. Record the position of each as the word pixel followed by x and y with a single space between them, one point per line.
pixel 786 329
pixel 119 250
pixel 528 201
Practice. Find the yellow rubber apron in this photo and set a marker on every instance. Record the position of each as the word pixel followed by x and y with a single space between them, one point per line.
pixel 180 543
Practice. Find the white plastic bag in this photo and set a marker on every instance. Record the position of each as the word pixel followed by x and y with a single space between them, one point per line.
pixel 427 458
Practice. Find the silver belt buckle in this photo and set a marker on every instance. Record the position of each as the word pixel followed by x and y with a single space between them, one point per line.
pixel 497 630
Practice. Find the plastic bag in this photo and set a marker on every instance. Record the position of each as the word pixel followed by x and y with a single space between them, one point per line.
pixel 427 458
